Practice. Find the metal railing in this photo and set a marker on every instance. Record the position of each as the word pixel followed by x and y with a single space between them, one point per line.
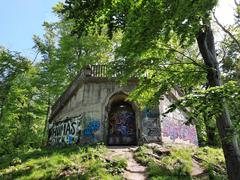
pixel 99 70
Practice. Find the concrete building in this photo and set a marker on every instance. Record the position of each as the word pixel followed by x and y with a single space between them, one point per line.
pixel 94 108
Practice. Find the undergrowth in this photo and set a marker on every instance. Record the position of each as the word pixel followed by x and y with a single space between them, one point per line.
pixel 178 164
pixel 66 163
pixel 90 162
pixel 213 161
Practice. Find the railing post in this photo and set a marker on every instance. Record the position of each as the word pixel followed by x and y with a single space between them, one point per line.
pixel 87 71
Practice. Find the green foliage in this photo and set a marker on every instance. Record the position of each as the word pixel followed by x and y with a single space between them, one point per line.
pixel 229 50
pixel 156 35
pixel 169 167
pixel 117 165
pixel 179 163
pixel 28 89
pixel 158 46
pixel 229 54
pixel 16 161
pixel 213 161
pixel 152 40
pixel 156 172
pixel 65 163
pixel 141 155
pixel 22 107
pixel 159 16
pixel 208 101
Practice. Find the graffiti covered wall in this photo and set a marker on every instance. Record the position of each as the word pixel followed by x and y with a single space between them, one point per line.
pixel 150 126
pixel 174 129
pixel 75 130
pixel 91 96
pixel 178 132
pixel 122 126
pixel 91 132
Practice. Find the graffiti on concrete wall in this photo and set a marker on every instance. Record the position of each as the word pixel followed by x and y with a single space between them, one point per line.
pixel 177 130
pixel 122 122
pixel 150 125
pixel 75 130
pixel 90 130
pixel 122 125
pixel 154 131
pixel 65 132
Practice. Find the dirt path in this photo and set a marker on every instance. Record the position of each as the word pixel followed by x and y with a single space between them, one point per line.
pixel 134 170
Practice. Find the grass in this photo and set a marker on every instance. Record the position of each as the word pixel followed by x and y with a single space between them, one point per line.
pixel 90 162
pixel 178 165
pixel 213 161
pixel 66 163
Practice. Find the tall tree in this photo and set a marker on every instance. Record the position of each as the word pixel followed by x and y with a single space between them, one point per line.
pixel 154 31
pixel 11 64
pixel 229 55
pixel 22 108
pixel 64 55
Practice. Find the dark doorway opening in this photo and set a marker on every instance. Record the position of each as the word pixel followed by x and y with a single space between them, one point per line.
pixel 121 124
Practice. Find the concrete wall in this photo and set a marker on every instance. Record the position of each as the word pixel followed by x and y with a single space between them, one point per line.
pixel 85 114
pixel 151 128
pixel 173 127
pixel 84 119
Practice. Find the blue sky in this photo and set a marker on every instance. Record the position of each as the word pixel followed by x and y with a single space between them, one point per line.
pixel 20 20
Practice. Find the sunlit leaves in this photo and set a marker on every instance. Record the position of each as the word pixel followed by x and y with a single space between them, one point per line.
pixel 209 101
pixel 22 103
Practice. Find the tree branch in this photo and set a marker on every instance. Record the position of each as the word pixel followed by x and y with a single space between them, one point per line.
pixel 184 55
pixel 226 31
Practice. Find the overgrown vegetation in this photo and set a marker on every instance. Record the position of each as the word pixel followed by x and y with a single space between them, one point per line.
pixel 75 162
pixel 28 89
pixel 163 39
pixel 66 163
pixel 160 38
pixel 178 163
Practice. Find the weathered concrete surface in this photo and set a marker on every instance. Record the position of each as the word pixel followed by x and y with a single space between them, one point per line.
pixel 90 102
pixel 89 99
pixel 173 127
pixel 134 170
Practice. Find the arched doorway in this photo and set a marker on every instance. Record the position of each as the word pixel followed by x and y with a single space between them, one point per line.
pixel 121 123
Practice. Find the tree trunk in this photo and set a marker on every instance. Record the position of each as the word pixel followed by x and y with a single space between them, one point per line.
pixel 45 131
pixel 1 108
pixel 228 138
pixel 210 130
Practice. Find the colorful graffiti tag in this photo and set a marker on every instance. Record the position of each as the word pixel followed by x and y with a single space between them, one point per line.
pixel 175 131
pixel 150 125
pixel 122 122
pixel 73 130
pixel 65 132
pixel 92 127
pixel 122 125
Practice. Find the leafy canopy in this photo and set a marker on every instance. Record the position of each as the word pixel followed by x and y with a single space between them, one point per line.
pixel 157 39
